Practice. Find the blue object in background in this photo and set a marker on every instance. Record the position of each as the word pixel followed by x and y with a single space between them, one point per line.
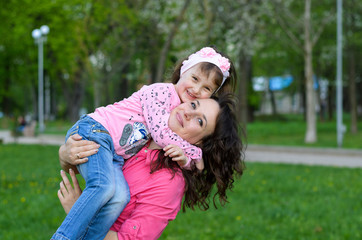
pixel 315 82
pixel 278 82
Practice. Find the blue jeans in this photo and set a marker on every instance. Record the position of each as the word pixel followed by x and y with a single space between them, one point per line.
pixel 106 193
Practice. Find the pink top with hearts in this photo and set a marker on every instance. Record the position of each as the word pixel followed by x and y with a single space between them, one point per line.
pixel 133 121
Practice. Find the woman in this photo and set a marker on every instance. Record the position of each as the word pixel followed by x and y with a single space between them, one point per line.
pixel 157 184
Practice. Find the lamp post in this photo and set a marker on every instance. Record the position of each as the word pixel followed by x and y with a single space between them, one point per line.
pixel 339 84
pixel 39 36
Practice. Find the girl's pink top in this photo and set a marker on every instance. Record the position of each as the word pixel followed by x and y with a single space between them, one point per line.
pixel 144 115
pixel 155 198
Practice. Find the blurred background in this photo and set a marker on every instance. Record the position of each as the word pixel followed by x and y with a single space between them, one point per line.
pixel 299 86
pixel 94 53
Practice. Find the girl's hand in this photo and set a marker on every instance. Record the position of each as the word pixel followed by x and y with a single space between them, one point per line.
pixel 176 153
pixel 200 165
pixel 67 194
pixel 75 151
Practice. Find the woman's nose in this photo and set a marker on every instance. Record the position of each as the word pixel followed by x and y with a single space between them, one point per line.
pixel 187 115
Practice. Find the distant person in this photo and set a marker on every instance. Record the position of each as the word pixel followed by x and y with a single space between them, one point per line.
pixel 21 123
pixel 125 127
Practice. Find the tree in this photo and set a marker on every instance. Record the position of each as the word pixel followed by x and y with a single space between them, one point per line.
pixel 94 54
pixel 352 23
pixel 167 44
pixel 18 79
pixel 243 23
pixel 294 28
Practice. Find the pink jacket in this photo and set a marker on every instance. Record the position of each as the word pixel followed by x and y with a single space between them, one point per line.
pixel 155 198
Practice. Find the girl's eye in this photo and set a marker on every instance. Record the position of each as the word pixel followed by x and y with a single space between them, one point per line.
pixel 208 89
pixel 200 122
pixel 193 105
pixel 195 78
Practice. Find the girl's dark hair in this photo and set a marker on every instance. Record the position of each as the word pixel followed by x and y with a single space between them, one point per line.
pixel 223 158
pixel 229 85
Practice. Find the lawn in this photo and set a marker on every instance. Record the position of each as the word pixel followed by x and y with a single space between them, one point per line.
pixel 289 130
pixel 271 201
pixel 276 201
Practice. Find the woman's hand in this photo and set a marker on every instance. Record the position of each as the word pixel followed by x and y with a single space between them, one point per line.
pixel 75 151
pixel 67 194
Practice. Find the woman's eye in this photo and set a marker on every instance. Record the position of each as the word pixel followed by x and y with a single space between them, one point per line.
pixel 193 105
pixel 200 122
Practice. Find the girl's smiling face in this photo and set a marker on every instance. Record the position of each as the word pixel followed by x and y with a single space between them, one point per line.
pixel 194 120
pixel 195 83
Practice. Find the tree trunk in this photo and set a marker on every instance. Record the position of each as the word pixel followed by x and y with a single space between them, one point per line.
pixel 302 90
pixel 352 91
pixel 123 88
pixel 209 19
pixel 153 59
pixel 5 103
pixel 273 103
pixel 73 92
pixel 166 46
pixel 96 92
pixel 244 66
pixel 311 133
pixel 331 100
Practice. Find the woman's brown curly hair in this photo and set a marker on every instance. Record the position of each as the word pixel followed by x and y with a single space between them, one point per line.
pixel 223 158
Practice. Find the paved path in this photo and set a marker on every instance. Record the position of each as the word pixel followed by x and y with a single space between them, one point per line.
pixel 6 138
pixel 302 155
pixel 254 153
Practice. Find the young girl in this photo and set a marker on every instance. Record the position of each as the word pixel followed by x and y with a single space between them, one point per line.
pixel 123 128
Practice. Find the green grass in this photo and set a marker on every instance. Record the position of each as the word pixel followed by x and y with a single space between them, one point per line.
pixel 29 181
pixel 289 130
pixel 271 201
pixel 275 201
pixel 57 127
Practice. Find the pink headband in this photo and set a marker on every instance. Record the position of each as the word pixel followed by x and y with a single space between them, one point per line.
pixel 208 54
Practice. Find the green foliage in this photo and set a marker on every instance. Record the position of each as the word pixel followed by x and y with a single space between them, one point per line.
pixel 99 52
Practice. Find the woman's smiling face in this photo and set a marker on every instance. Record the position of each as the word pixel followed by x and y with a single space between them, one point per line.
pixel 194 120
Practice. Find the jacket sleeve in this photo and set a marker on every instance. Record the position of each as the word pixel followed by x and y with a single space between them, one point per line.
pixel 156 101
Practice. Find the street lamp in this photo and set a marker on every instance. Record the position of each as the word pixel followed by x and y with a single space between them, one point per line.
pixel 39 36
pixel 339 83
